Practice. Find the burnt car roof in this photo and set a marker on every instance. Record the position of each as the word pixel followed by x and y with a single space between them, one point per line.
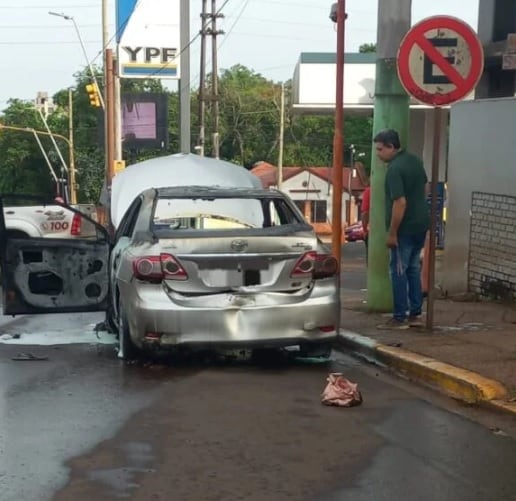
pixel 216 192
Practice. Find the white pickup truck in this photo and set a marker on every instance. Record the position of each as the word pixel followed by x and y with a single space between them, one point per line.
pixel 49 221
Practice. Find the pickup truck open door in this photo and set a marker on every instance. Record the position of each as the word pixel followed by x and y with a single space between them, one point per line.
pixel 53 275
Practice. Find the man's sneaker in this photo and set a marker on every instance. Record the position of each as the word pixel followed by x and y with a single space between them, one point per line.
pixel 416 321
pixel 394 325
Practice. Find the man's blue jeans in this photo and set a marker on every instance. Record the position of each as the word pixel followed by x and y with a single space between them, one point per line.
pixel 405 271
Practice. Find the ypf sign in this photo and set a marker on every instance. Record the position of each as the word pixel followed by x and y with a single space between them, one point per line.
pixel 440 61
pixel 148 38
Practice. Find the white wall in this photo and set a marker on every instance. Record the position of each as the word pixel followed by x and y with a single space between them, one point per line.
pixel 314 183
pixel 481 159
pixel 317 83
pixel 314 86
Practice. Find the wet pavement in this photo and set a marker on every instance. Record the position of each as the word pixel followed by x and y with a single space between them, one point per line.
pixel 82 425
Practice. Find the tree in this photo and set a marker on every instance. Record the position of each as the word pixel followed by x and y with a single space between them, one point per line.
pixel 249 132
pixel 249 116
pixel 23 168
pixel 367 48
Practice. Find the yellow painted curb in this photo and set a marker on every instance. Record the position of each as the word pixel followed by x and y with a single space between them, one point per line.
pixel 503 406
pixel 459 383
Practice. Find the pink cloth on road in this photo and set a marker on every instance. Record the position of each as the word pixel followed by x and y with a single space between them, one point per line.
pixel 341 392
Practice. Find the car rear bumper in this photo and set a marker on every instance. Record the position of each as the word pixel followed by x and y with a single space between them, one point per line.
pixel 266 319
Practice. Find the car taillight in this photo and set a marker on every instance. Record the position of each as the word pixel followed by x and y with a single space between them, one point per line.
pixel 75 230
pixel 158 268
pixel 304 266
pixel 172 269
pixel 315 265
pixel 325 266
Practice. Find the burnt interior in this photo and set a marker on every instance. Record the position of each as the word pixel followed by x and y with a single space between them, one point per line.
pixel 94 267
pixel 45 282
pixel 32 256
pixel 93 290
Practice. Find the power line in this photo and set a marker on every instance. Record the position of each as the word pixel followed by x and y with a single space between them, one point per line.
pixel 165 66
pixel 46 26
pixel 45 7
pixel 46 42
pixel 239 16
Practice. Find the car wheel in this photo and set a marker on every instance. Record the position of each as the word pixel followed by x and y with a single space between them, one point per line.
pixel 316 350
pixel 128 350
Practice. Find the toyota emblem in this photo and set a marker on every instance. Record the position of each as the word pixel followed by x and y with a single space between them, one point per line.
pixel 239 245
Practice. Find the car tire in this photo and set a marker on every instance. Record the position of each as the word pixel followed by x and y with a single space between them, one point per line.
pixel 316 350
pixel 128 350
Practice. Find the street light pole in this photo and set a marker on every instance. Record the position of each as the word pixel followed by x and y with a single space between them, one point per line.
pixel 281 137
pixel 88 63
pixel 338 15
pixel 71 159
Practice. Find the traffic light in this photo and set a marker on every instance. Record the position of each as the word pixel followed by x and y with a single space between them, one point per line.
pixel 93 94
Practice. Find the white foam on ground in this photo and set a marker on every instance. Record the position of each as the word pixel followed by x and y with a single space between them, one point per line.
pixel 84 335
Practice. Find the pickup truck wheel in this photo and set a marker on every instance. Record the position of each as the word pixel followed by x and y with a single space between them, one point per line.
pixel 16 234
pixel 128 350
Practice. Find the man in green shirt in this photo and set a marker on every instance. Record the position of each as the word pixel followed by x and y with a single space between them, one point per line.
pixel 407 222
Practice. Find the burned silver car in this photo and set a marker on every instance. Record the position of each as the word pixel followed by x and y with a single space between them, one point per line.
pixel 190 266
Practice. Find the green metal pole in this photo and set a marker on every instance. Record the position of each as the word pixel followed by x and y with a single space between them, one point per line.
pixel 391 110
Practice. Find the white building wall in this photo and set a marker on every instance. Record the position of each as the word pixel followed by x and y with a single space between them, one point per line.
pixel 482 188
pixel 325 192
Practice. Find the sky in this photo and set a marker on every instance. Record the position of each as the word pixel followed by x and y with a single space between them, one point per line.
pixel 42 52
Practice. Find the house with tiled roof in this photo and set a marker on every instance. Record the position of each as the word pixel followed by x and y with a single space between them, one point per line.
pixel 311 190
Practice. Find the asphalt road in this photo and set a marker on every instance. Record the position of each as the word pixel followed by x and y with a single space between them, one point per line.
pixel 82 425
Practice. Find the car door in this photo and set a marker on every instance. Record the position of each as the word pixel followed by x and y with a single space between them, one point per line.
pixel 123 238
pixel 53 275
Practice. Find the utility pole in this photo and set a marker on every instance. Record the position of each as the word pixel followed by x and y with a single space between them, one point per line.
pixel 71 157
pixel 184 81
pixel 110 116
pixel 214 77
pixel 202 81
pixel 281 136
pixel 391 110
pixel 118 114
pixel 338 15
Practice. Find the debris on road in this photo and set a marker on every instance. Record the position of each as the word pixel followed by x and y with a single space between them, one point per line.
pixel 24 357
pixel 341 392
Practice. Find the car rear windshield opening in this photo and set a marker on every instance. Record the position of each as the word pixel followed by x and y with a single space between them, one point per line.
pixel 222 214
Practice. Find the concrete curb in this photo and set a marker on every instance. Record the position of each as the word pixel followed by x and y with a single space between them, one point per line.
pixel 458 383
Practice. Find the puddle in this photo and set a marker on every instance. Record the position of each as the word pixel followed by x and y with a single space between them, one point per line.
pixel 66 336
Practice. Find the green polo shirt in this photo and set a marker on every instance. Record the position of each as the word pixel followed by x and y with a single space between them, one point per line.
pixel 406 177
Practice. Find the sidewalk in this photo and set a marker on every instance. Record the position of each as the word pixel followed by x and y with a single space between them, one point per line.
pixel 477 336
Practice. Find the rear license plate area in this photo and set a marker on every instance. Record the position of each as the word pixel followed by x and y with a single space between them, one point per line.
pixel 233 273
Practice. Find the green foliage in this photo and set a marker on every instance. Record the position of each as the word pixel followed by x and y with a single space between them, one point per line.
pixel 249 110
pixel 367 47
pixel 22 167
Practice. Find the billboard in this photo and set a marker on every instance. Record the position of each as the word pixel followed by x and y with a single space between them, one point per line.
pixel 148 38
pixel 144 121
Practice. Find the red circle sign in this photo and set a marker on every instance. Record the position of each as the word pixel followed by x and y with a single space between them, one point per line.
pixel 440 60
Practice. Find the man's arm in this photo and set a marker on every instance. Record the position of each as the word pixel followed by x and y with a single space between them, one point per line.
pixel 396 188
pixel 398 211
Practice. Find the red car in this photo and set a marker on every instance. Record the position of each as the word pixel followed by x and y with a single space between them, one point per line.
pixel 354 232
